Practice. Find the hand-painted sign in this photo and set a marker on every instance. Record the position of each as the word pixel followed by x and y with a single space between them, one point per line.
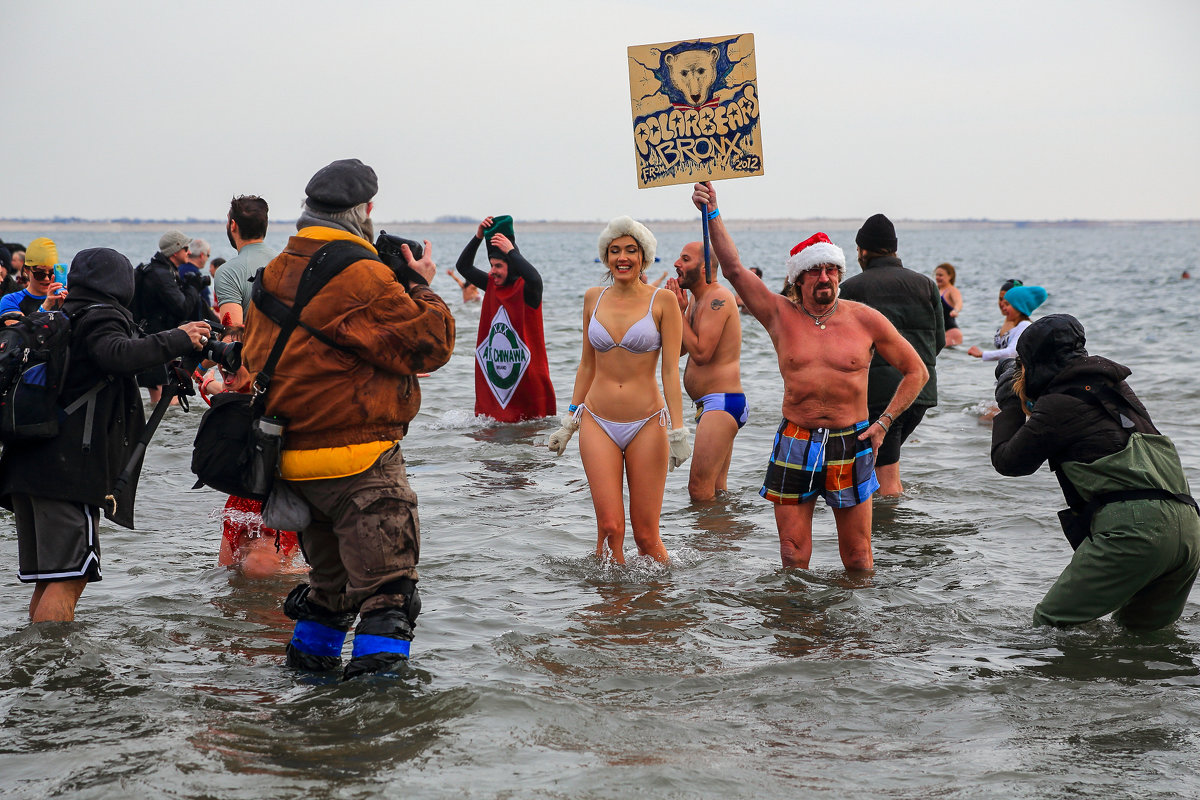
pixel 695 110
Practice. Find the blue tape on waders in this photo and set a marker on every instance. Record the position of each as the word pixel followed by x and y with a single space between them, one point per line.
pixel 317 639
pixel 366 645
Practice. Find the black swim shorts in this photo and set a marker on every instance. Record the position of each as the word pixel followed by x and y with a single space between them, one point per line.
pixel 57 540
pixel 898 433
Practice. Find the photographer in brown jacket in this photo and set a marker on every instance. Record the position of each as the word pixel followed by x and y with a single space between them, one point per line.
pixel 347 394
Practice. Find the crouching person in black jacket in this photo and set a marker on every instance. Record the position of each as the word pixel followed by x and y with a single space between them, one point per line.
pixel 57 487
pixel 1132 521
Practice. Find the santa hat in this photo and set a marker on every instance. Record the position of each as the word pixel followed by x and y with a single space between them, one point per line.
pixel 627 226
pixel 813 252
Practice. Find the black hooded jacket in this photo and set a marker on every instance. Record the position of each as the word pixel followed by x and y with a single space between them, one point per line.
pixel 168 301
pixel 1061 427
pixel 103 347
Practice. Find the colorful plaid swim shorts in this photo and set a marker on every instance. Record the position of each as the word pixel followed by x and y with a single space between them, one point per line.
pixel 834 464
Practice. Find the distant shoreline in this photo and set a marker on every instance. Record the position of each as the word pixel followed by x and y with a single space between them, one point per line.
pixel 584 226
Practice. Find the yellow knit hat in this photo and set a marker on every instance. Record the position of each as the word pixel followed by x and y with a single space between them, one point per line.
pixel 41 253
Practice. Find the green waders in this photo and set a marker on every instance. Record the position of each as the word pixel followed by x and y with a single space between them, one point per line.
pixel 1142 555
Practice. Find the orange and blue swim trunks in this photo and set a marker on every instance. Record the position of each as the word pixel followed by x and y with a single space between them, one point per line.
pixel 831 463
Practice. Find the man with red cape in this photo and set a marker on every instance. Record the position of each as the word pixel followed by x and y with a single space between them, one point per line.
pixel 512 376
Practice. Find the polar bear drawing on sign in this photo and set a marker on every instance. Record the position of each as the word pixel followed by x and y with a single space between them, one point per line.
pixel 693 73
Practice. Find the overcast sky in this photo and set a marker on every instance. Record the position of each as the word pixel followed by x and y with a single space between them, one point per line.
pixel 922 109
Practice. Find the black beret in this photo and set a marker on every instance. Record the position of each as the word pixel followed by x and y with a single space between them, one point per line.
pixel 341 185
pixel 878 235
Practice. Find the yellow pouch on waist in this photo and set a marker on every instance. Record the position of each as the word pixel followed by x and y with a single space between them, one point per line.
pixel 330 462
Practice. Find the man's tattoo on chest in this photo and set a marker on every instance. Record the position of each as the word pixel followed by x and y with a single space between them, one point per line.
pixel 716 304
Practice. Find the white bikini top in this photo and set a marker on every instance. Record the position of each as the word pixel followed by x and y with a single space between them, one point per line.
pixel 642 336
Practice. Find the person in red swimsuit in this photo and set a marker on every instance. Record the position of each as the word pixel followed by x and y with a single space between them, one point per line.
pixel 246 543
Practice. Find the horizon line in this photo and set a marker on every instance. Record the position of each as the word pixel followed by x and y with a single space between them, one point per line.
pixel 462 220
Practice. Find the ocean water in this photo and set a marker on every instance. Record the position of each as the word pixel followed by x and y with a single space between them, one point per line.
pixel 540 673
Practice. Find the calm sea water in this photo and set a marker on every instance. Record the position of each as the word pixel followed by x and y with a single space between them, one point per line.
pixel 540 673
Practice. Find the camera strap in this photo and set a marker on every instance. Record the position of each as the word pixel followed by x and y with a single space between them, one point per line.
pixel 323 266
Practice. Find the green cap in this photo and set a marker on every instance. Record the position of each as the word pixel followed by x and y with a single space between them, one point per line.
pixel 502 224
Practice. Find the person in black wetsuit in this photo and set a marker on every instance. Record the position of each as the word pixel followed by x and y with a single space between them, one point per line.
pixel 512 374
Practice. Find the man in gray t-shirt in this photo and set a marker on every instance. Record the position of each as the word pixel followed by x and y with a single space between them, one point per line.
pixel 246 227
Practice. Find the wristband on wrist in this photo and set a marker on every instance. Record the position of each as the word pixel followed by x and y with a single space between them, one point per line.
pixel 891 419
pixel 571 409
pixel 886 428
pixel 716 212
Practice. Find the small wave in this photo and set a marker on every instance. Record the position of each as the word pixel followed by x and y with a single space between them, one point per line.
pixel 457 419
pixel 984 410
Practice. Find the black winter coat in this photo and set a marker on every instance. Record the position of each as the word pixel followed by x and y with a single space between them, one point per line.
pixel 1063 427
pixel 912 303
pixel 167 302
pixel 103 345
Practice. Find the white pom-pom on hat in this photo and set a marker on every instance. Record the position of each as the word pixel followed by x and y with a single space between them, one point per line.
pixel 813 252
pixel 628 226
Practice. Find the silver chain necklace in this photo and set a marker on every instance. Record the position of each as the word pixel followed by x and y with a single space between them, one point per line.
pixel 820 319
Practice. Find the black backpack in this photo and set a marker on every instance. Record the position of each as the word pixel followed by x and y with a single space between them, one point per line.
pixel 139 305
pixel 35 350
pixel 231 453
pixel 34 354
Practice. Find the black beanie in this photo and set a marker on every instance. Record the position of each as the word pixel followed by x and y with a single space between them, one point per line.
pixel 341 185
pixel 878 235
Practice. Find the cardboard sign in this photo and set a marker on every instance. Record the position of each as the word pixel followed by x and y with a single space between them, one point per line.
pixel 695 110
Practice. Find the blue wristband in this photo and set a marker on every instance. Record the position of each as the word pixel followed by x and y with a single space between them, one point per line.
pixel 716 212
pixel 571 409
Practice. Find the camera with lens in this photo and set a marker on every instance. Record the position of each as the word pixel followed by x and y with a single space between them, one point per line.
pixel 390 253
pixel 228 355
pixel 195 280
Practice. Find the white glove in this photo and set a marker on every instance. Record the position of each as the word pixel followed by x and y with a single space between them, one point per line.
pixel 558 439
pixel 681 448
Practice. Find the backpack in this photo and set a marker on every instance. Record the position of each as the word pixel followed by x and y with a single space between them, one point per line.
pixel 34 355
pixel 234 451
pixel 140 305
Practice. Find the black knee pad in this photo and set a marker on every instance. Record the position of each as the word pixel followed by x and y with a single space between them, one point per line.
pixel 393 623
pixel 406 587
pixel 381 642
pixel 297 606
pixel 382 636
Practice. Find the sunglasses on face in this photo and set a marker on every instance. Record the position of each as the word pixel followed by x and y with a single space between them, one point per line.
pixel 41 274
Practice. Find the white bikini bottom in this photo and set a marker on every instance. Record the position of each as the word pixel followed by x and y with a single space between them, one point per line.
pixel 622 433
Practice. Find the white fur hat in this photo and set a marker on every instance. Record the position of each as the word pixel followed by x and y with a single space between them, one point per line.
pixel 813 252
pixel 627 226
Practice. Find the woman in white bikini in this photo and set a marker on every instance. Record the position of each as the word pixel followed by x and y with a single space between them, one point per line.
pixel 626 426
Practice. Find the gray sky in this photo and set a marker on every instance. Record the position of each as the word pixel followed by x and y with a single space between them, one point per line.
pixel 920 109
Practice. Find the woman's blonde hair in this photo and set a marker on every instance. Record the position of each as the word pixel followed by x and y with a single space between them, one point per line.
pixel 1019 387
